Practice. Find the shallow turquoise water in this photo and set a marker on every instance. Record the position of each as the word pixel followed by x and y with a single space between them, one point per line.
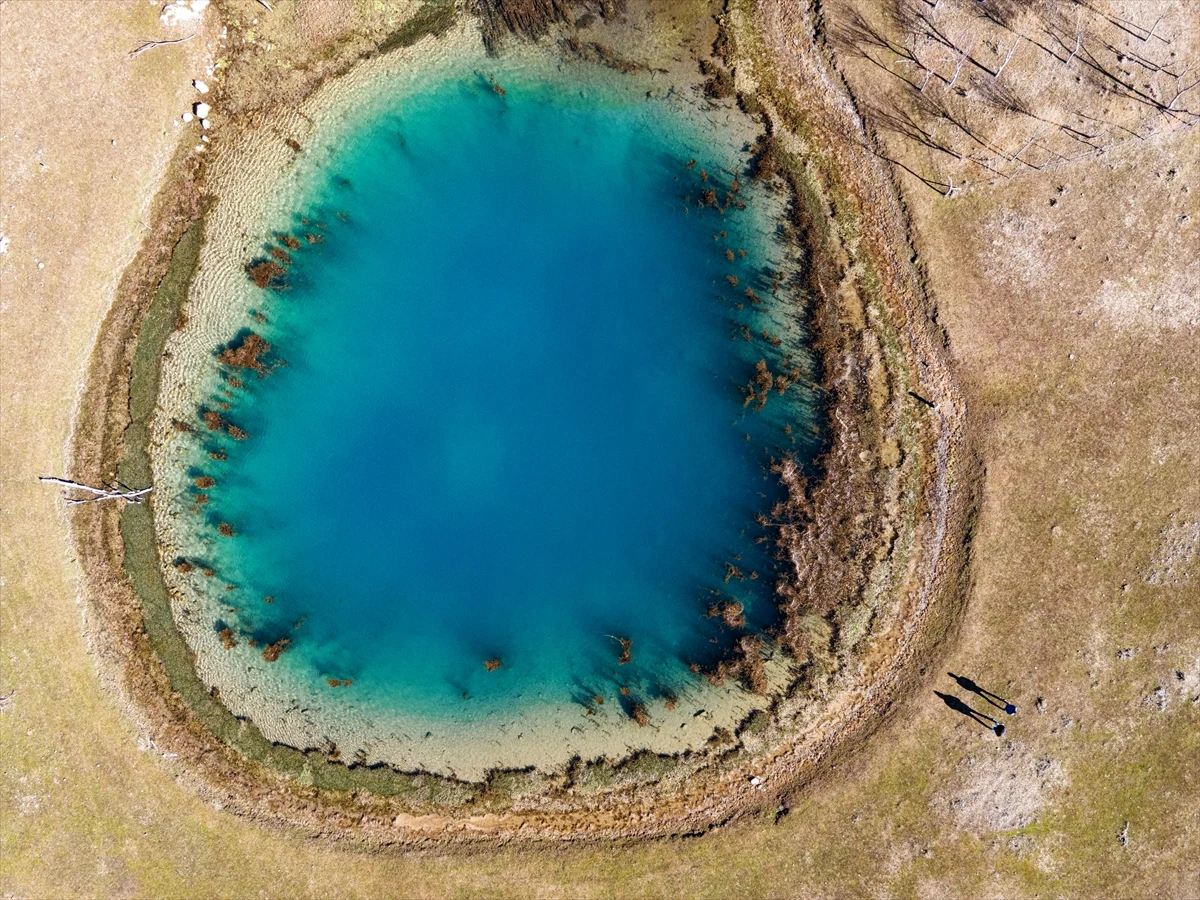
pixel 510 421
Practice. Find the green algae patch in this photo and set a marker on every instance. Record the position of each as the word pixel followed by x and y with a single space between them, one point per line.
pixel 431 19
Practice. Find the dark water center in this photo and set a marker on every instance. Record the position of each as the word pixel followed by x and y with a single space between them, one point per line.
pixel 512 423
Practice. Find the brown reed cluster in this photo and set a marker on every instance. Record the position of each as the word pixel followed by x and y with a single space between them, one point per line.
pixel 247 353
pixel 272 652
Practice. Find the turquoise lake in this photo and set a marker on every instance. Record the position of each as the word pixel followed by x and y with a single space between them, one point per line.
pixel 511 421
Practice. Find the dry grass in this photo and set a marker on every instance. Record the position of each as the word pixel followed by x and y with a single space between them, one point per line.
pixel 1082 399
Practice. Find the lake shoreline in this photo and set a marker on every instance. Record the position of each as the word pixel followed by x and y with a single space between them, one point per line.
pixel 561 804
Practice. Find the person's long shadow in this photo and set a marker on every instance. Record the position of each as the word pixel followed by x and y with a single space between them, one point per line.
pixel 959 707
pixel 995 699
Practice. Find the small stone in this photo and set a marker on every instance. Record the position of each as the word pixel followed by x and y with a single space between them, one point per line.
pixel 41 265
pixel 204 124
pixel 200 86
pixel 201 110
pixel 187 117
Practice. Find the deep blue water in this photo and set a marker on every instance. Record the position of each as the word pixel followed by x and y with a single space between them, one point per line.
pixel 510 421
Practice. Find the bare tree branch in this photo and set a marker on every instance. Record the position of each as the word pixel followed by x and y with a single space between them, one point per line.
pixel 118 493
pixel 151 44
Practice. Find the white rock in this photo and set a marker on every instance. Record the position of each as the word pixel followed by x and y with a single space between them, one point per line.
pixel 756 781
pixel 4 244
pixel 204 124
pixel 202 110
pixel 182 11
pixel 200 86
pixel 204 138
pixel 187 117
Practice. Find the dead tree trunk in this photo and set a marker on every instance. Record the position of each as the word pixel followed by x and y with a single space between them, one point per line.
pixel 120 492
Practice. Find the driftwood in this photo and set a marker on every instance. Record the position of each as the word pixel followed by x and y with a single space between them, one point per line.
pixel 150 44
pixel 120 492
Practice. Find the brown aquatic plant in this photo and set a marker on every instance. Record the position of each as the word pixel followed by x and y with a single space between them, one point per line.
pixel 183 566
pixel 745 664
pixel 732 279
pixel 760 385
pixel 246 354
pixel 218 455
pixel 626 649
pixel 493 664
pixel 205 481
pixel 292 243
pixel 228 641
pixel 225 529
pixel 766 163
pixel 732 612
pixel 599 700
pixel 729 255
pixel 265 273
pixel 273 651
pixel 638 714
pixel 236 433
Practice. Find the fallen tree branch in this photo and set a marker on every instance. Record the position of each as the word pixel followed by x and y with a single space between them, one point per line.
pixel 118 493
pixel 150 44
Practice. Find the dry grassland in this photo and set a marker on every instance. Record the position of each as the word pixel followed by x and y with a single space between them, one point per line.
pixel 1076 332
